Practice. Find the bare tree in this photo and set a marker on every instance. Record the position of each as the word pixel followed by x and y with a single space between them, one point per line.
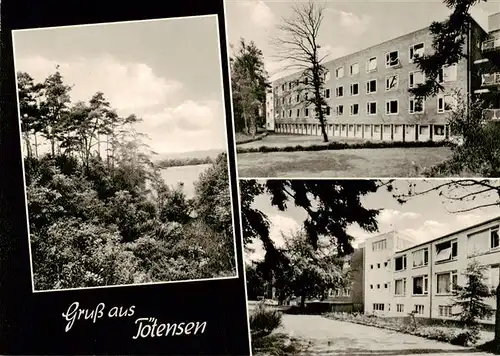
pixel 298 47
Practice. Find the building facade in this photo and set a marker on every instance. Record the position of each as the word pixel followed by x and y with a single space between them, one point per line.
pixel 269 111
pixel 421 278
pixel 350 299
pixel 367 92
pixel 378 269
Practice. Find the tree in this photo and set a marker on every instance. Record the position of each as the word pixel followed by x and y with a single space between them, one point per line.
pixel 331 207
pixel 449 38
pixel 312 272
pixel 470 298
pixel 298 45
pixel 249 82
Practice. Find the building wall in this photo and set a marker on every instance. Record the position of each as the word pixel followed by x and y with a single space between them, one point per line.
pixel 472 243
pixel 400 126
pixel 378 273
pixel 270 111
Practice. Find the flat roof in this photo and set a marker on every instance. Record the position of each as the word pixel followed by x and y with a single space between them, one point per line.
pixel 451 234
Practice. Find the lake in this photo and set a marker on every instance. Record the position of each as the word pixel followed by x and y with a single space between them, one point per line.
pixel 184 174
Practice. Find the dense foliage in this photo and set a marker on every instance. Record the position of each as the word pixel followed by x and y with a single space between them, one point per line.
pixel 100 212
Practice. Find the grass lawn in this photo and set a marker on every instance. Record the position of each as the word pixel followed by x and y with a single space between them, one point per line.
pixel 359 163
pixel 294 140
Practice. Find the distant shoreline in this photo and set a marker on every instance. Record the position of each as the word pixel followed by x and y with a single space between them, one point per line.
pixel 181 162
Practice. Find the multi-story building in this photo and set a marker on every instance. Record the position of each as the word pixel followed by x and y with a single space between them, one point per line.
pixel 367 92
pixel 350 299
pixel 378 269
pixel 422 277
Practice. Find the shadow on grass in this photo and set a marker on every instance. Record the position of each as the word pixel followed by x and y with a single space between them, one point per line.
pixel 490 347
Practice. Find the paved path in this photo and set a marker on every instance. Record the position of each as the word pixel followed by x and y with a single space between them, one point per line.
pixel 336 338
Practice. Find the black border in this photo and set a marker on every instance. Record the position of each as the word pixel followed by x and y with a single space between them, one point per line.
pixel 32 323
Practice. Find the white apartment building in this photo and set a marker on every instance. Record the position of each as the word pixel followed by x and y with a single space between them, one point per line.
pixel 422 276
pixel 378 270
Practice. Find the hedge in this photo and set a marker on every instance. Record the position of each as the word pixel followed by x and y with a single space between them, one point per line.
pixel 256 138
pixel 345 146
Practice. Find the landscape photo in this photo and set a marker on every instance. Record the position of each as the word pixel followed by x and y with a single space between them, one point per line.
pixel 124 143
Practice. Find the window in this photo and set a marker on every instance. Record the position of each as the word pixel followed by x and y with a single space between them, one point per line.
pixel 306 112
pixel 494 239
pixel 371 286
pixel 327 93
pixel 419 309
pixel 439 130
pixel 416 106
pixel 298 112
pixel 400 286
pixel 446 251
pixel 392 59
pixel 421 258
pixel 387 129
pixel 400 263
pixel 289 113
pixel 306 96
pixel 446 282
pixel 337 292
pixel 423 130
pixel 371 86
pixel 339 110
pixel 385 285
pixel 354 69
pixel 346 292
pixel 416 78
pixel 297 98
pixel 327 76
pixel 420 285
pixel 339 92
pixel 359 128
pixel 391 107
pixel 328 112
pixel 306 81
pixel 283 113
pixel 376 128
pixel 385 264
pixel 378 265
pixel 378 306
pixel 351 128
pixel 391 82
pixel 339 72
pixel 416 50
pixel 447 74
pixel 371 64
pixel 371 266
pixel 445 311
pixel 379 245
pixel 446 103
pixel 354 89
pixel 289 85
pixel 400 308
pixel 493 277
pixel 289 100
pixel 371 108
pixel 283 87
pixel 354 109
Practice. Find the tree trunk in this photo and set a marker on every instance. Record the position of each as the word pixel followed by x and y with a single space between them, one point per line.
pixel 323 130
pixel 36 145
pixel 302 301
pixel 497 320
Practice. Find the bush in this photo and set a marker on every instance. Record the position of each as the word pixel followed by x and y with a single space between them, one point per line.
pixel 468 337
pixel 343 146
pixel 276 345
pixel 264 321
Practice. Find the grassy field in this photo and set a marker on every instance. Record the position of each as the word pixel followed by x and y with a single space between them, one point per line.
pixel 359 163
pixel 294 140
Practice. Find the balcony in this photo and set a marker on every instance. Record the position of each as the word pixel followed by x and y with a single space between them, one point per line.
pixel 491 114
pixel 490 79
pixel 491 44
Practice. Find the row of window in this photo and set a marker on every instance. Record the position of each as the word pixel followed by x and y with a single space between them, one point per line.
pixel 438 130
pixel 345 292
pixel 379 245
pixel 444 311
pixel 447 250
pixel 392 59
pixel 378 286
pixel 445 103
pixel 400 308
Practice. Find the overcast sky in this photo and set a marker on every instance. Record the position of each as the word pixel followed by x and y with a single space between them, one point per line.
pixel 168 72
pixel 348 26
pixel 423 217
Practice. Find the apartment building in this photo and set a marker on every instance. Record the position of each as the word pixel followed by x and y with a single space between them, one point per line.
pixel 367 92
pixel 378 269
pixel 422 276
pixel 350 299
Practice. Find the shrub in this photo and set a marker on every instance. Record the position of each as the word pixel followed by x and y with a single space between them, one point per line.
pixel 264 321
pixel 343 146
